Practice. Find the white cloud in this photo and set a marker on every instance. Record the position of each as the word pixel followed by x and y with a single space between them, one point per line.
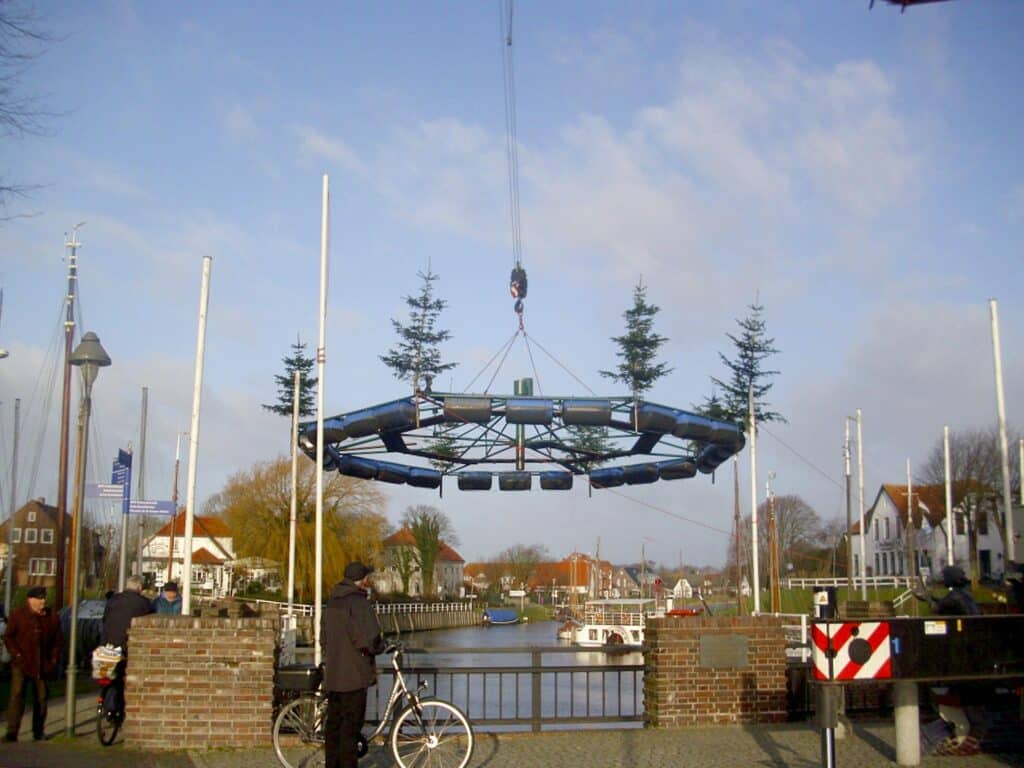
pixel 331 148
pixel 239 125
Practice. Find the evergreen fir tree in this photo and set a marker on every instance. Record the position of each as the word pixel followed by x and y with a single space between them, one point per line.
pixel 713 407
pixel 302 363
pixel 753 347
pixel 417 357
pixel 638 346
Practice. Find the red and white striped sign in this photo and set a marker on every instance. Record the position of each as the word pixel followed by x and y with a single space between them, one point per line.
pixel 851 651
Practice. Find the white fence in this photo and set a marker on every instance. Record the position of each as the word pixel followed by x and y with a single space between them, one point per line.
pixel 906 582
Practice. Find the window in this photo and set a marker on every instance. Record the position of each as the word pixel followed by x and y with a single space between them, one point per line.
pixel 42 566
pixel 17 536
pixel 982 522
pixel 960 523
pixel 892 563
pixel 31 515
pixel 30 535
pixel 876 530
pixel 877 568
pixel 888 532
pixel 46 536
pixel 856 564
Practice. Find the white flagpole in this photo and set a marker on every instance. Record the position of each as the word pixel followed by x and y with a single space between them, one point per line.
pixel 321 358
pixel 753 499
pixel 193 442
pixel 997 355
pixel 949 497
pixel 296 394
pixel 860 493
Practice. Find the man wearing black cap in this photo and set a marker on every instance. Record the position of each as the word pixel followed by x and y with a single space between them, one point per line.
pixel 350 637
pixel 34 640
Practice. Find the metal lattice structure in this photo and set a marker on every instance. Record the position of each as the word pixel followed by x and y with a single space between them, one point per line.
pixel 419 440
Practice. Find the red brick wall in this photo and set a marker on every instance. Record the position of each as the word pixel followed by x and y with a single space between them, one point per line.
pixel 196 683
pixel 679 691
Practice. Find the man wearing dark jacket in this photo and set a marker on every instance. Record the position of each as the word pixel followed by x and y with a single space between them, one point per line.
pixel 117 620
pixel 350 637
pixel 34 640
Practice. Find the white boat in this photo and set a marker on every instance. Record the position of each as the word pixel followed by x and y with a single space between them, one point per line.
pixel 613 622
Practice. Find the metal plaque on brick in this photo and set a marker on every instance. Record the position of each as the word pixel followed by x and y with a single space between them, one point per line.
pixel 723 651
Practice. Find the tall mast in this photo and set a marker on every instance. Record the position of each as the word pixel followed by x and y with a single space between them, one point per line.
pixel 72 247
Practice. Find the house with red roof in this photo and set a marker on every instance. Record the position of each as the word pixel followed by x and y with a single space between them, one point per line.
pixel 213 554
pixel 400 548
pixel 891 550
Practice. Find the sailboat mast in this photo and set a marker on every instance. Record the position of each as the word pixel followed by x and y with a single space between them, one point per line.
pixel 72 246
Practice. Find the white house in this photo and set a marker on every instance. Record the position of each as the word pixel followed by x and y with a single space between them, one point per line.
pixel 886 545
pixel 213 554
pixel 448 568
pixel 682 590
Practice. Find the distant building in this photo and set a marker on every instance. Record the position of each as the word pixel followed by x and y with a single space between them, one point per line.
pixel 213 554
pixel 889 551
pixel 36 548
pixel 578 575
pixel 400 547
pixel 682 590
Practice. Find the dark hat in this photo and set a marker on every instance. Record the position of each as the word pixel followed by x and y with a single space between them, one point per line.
pixel 170 586
pixel 37 592
pixel 954 576
pixel 357 571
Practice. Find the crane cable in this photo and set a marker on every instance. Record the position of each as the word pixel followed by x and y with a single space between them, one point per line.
pixel 517 280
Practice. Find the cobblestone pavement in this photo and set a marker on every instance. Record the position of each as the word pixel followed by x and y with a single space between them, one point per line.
pixel 796 746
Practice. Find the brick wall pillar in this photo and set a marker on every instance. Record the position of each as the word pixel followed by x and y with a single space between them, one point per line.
pixel 714 671
pixel 197 683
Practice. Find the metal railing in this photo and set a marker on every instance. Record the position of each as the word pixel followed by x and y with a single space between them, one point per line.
pixel 384 609
pixel 601 687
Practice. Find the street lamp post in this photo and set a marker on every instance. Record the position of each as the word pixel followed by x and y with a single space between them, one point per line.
pixel 89 356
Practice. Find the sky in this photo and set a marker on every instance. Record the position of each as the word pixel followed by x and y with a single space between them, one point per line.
pixel 854 171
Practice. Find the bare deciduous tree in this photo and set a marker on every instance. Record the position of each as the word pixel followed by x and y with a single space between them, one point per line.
pixel 21 114
pixel 520 561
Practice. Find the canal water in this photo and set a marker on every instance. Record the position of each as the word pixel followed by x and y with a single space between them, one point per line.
pixel 488 673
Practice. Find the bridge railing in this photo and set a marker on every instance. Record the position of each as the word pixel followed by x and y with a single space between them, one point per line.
pixel 303 609
pixel 537 688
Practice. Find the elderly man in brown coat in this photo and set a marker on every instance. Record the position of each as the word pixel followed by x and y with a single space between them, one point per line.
pixel 34 640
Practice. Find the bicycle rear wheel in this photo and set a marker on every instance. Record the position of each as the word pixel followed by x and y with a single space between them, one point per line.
pixel 438 735
pixel 299 733
pixel 108 719
pixel 106 727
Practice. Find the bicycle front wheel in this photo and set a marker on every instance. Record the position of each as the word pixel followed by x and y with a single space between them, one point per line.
pixel 299 733
pixel 106 727
pixel 437 734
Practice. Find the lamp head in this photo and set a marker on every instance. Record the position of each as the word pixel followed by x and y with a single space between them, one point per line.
pixel 90 356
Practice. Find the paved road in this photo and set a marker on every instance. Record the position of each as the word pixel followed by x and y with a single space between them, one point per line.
pixel 794 746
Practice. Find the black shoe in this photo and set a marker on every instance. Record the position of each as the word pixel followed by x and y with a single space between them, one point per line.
pixel 10 737
pixel 41 737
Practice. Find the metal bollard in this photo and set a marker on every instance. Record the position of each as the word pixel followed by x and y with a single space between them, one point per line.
pixel 828 717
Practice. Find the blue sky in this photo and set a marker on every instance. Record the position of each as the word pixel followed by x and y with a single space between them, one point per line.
pixel 858 171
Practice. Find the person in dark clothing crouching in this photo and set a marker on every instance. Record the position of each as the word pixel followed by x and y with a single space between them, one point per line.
pixel 350 637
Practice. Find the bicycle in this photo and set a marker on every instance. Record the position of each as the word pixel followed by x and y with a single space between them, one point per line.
pixel 109 712
pixel 421 731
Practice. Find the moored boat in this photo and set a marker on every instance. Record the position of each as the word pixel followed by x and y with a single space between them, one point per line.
pixel 613 622
pixel 500 616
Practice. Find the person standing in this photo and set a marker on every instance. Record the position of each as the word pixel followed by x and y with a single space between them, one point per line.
pixel 168 602
pixel 34 640
pixel 350 637
pixel 117 620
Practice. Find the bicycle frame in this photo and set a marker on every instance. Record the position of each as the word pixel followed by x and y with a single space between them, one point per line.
pixel 399 692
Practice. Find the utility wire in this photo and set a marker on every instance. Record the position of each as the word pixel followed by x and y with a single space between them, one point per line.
pixel 802 458
pixel 536 376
